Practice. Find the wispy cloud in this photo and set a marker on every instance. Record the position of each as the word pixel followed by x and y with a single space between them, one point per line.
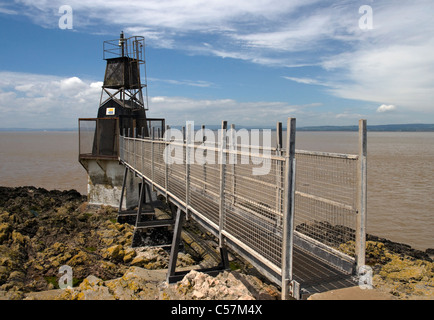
pixel 305 80
pixel 190 83
pixel 5 10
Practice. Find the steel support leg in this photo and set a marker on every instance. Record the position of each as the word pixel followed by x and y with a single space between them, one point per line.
pixel 141 200
pixel 123 190
pixel 172 275
pixel 175 244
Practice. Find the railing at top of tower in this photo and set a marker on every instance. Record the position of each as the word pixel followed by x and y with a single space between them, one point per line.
pixel 132 47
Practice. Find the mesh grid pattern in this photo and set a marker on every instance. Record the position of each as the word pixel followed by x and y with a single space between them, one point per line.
pixel 253 204
pixel 252 208
pixel 326 192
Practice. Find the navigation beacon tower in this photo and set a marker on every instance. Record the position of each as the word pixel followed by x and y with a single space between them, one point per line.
pixel 122 111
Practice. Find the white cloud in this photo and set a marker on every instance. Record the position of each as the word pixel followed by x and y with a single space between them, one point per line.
pixel 403 75
pixel 72 84
pixel 46 101
pixel 386 108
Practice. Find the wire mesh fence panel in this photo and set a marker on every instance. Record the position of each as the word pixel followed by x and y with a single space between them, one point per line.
pixel 98 138
pixel 87 129
pixel 147 161
pixel 137 158
pixel 328 177
pixel 252 213
pixel 176 171
pixel 325 200
pixel 159 168
pixel 205 182
pixel 127 150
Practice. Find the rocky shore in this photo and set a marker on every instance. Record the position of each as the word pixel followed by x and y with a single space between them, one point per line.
pixel 41 231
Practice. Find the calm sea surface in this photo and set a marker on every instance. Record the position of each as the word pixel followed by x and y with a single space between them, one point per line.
pixel 400 173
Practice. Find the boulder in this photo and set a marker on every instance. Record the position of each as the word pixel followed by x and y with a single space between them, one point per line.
pixel 114 253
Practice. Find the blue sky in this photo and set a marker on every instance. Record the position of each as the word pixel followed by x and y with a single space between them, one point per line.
pixel 249 62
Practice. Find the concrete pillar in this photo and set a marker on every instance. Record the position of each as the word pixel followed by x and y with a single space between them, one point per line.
pixel 104 186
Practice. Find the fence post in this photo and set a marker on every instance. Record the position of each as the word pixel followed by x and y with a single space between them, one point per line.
pixel 222 162
pixel 205 152
pixel 152 155
pixel 166 164
pixel 136 149
pixel 142 162
pixel 189 135
pixel 233 157
pixel 288 213
pixel 361 195
pixel 279 168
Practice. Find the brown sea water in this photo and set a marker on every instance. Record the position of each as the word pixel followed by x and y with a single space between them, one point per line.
pixel 400 173
pixel 400 180
pixel 41 159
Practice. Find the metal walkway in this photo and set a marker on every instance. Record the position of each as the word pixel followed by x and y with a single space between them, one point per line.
pixel 315 275
pixel 290 234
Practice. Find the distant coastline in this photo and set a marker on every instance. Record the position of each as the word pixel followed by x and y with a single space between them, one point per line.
pixel 33 129
pixel 417 127
pixel 411 127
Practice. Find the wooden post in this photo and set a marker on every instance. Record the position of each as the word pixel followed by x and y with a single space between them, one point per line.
pixel 222 162
pixel 288 214
pixel 361 196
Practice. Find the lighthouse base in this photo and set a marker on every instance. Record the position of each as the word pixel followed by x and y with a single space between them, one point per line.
pixel 104 187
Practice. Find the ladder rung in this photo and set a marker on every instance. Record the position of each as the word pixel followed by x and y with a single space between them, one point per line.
pixel 156 223
pixel 134 212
